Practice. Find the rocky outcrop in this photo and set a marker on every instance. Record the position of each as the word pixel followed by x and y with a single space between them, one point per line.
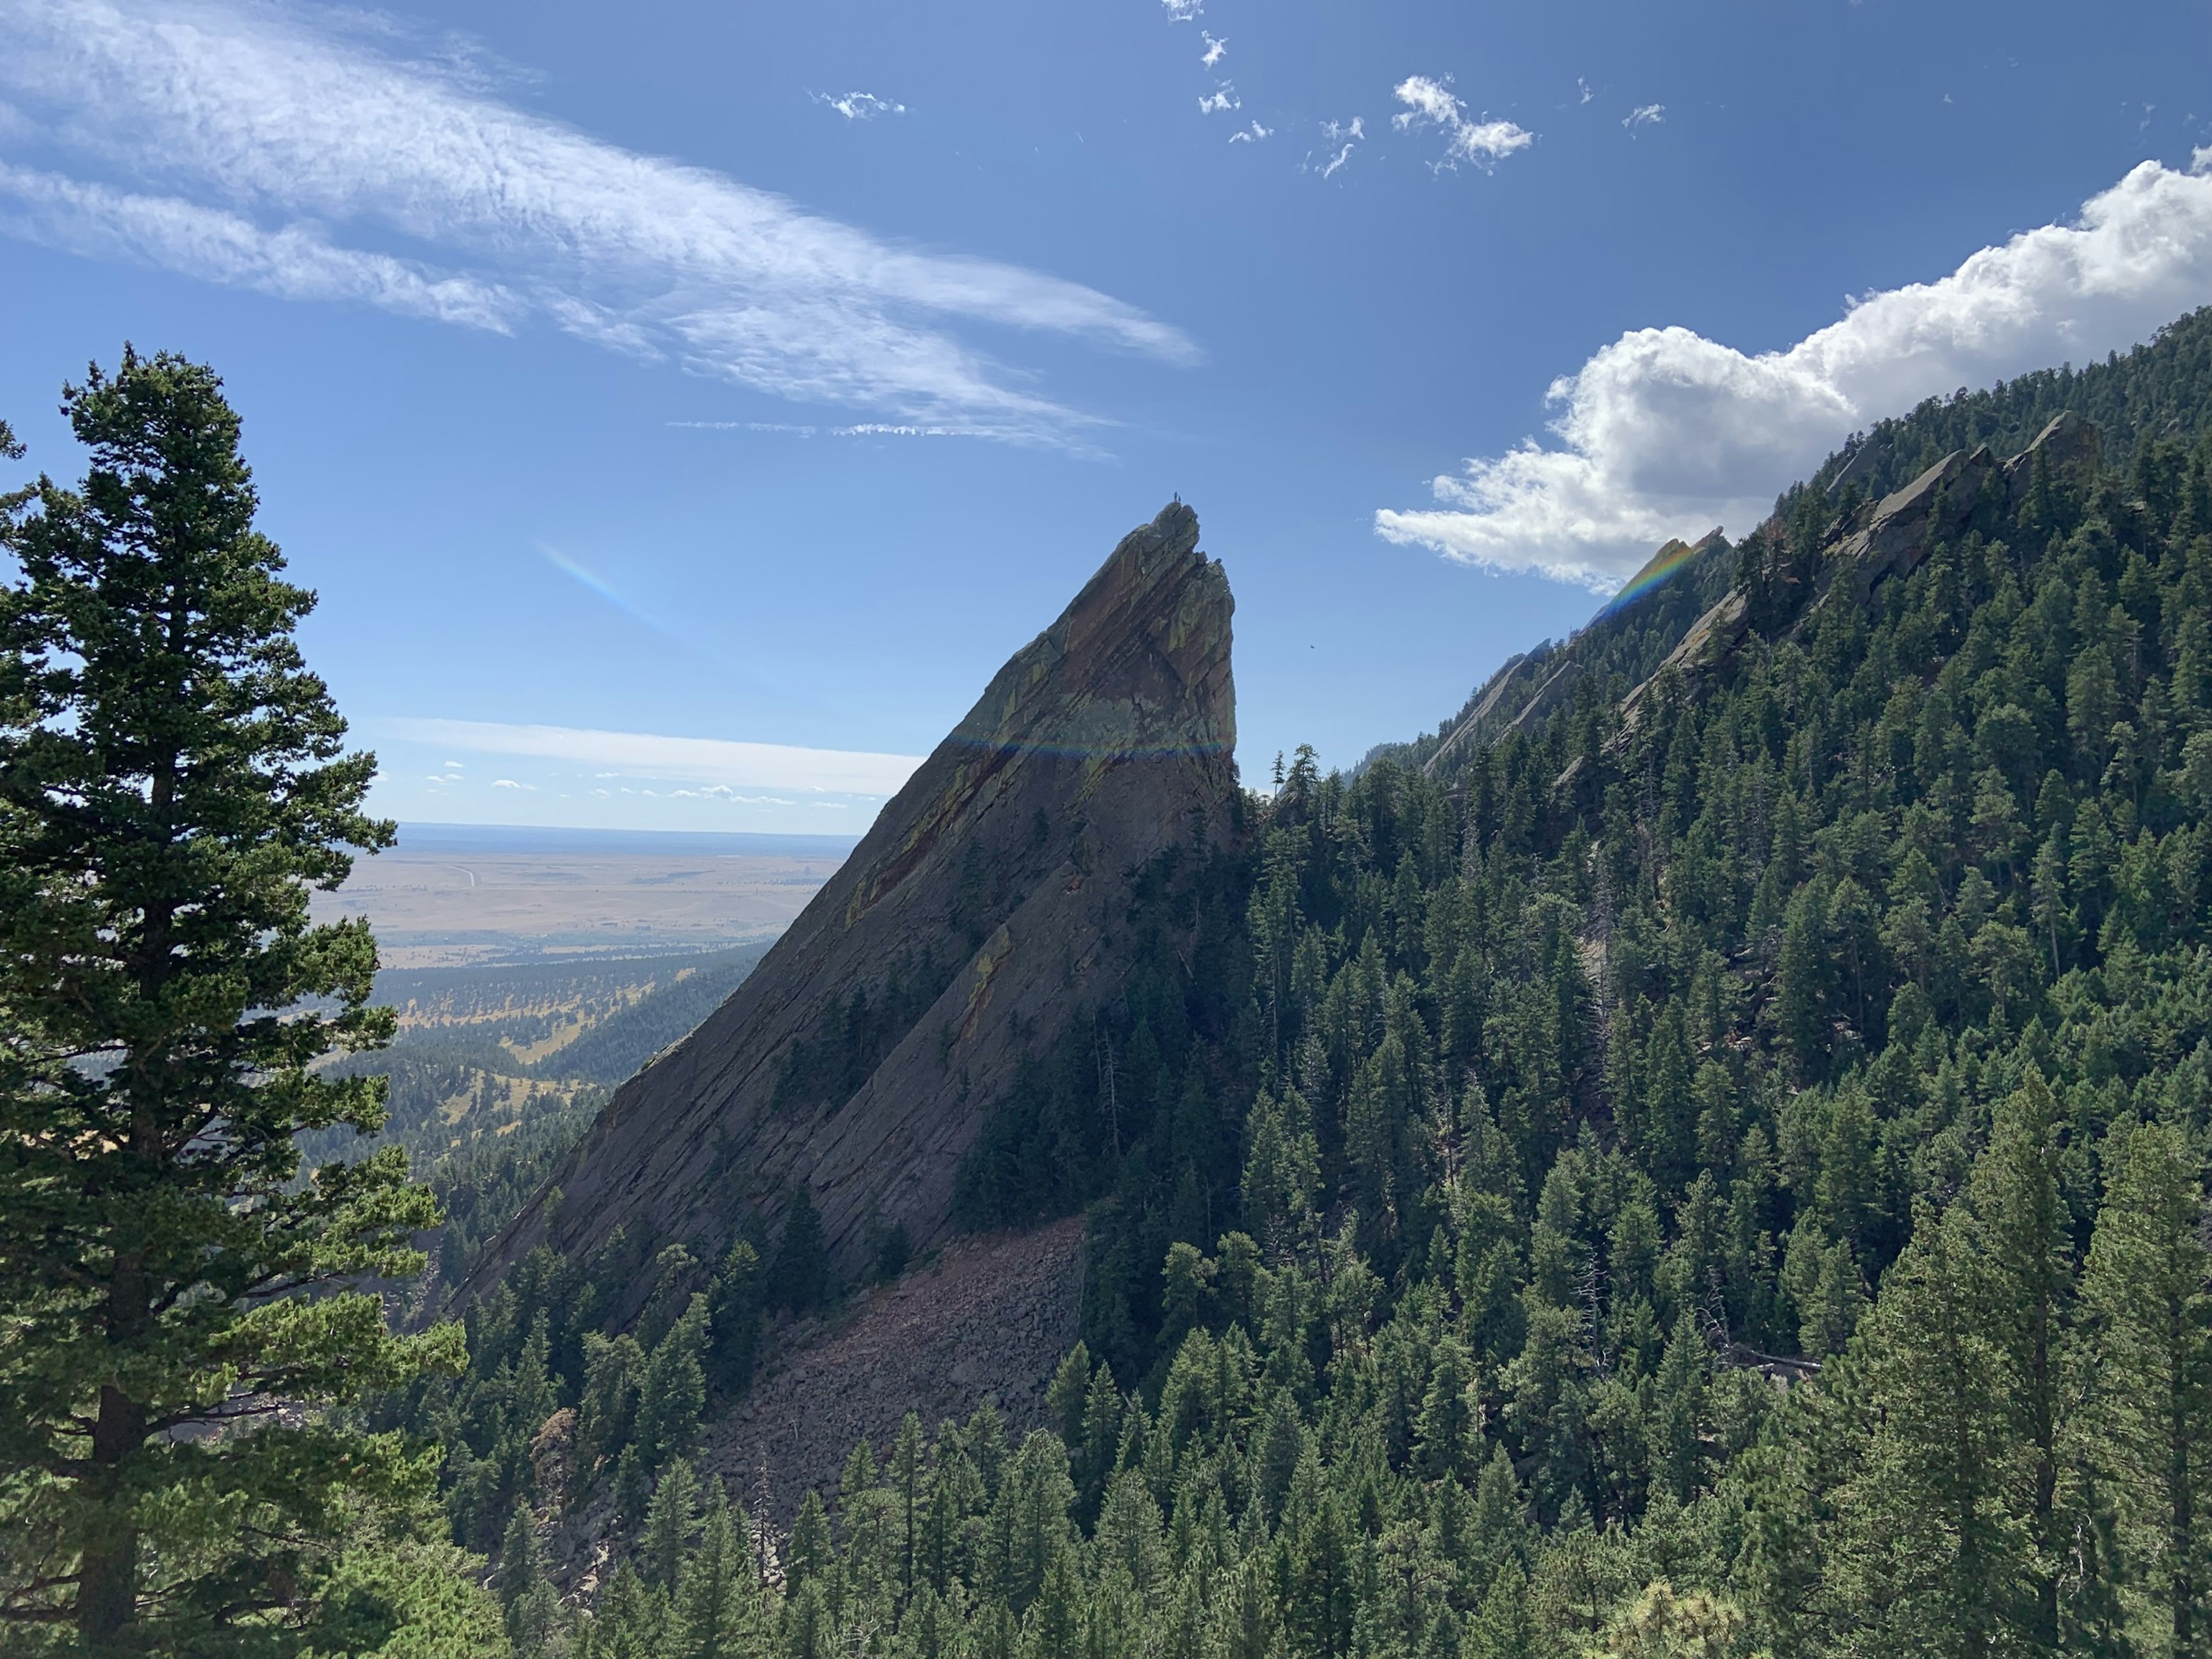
pixel 1495 705
pixel 1554 691
pixel 1526 692
pixel 1895 538
pixel 1936 504
pixel 1861 458
pixel 1708 644
pixel 981 911
pixel 991 1320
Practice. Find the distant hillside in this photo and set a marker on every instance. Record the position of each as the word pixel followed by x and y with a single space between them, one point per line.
pixel 618 1046
pixel 2163 393
pixel 498 1069
pixel 1620 648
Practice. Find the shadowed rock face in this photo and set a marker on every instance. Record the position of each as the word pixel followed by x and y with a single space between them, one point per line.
pixel 981 911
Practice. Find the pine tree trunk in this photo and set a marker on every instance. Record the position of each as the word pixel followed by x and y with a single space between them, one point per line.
pixel 107 1583
pixel 2049 1544
pixel 2181 1534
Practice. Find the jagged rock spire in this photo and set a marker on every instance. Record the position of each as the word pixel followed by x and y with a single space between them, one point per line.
pixel 861 1057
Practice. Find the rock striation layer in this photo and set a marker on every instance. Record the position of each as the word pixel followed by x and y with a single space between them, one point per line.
pixel 863 1055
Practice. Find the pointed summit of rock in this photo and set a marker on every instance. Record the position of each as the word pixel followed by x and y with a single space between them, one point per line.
pixel 981 912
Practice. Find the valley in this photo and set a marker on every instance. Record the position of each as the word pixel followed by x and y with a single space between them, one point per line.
pixel 530 972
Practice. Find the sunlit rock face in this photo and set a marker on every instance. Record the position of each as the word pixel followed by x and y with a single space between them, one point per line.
pixel 981 912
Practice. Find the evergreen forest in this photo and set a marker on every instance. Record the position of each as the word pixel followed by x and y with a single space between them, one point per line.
pixel 1730 1183
pixel 1720 1174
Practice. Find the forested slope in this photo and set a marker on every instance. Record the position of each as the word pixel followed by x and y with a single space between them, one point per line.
pixel 1732 1175
pixel 499 1068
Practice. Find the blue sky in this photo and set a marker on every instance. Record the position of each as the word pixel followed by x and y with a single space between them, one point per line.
pixel 682 409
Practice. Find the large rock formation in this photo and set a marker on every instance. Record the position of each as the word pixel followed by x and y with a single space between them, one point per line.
pixel 981 911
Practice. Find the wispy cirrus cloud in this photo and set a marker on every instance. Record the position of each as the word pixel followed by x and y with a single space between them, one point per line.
pixel 1644 115
pixel 859 106
pixel 294 262
pixel 1341 137
pixel 857 429
pixel 1666 433
pixel 1432 103
pixel 691 760
pixel 262 148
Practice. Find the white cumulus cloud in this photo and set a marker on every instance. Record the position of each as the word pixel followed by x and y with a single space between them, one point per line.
pixel 267 147
pixel 1252 135
pixel 1644 115
pixel 1666 433
pixel 1215 50
pixel 1183 11
pixel 1483 142
pixel 1222 99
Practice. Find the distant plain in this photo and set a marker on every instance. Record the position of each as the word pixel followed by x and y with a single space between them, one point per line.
pixel 451 896
pixel 533 970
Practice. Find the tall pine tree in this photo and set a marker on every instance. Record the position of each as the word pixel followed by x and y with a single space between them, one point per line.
pixel 173 782
pixel 2148 1291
